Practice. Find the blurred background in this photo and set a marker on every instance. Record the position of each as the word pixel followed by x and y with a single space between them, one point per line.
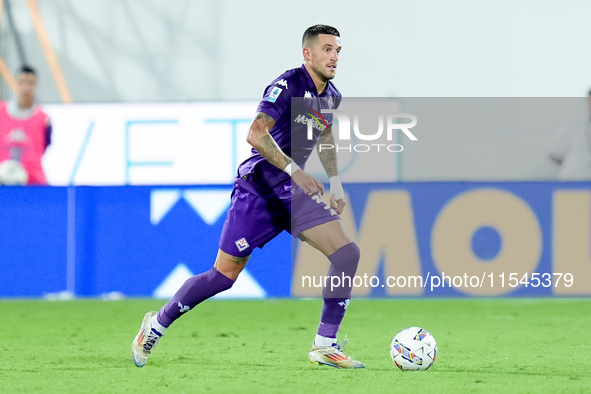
pixel 152 50
pixel 143 95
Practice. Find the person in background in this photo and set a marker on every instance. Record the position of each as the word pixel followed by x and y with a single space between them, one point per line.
pixel 571 150
pixel 25 134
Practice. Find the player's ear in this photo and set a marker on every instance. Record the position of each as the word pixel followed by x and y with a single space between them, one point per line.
pixel 306 53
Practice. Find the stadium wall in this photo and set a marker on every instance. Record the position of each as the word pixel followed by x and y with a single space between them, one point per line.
pixel 142 241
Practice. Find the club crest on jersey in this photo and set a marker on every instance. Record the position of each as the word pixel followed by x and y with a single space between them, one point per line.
pixel 241 244
pixel 330 102
pixel 307 95
pixel 282 82
pixel 274 94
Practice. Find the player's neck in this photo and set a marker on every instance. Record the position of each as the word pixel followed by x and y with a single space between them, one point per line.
pixel 25 104
pixel 318 81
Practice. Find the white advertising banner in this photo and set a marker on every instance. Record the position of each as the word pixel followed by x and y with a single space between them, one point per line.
pixel 139 144
pixel 160 143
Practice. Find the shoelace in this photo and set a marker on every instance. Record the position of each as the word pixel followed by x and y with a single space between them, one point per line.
pixel 341 345
pixel 151 341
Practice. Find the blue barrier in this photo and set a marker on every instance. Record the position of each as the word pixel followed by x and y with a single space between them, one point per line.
pixel 117 243
pixel 96 240
pixel 33 233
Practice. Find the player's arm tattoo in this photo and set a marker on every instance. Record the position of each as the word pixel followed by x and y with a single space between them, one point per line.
pixel 328 157
pixel 261 140
pixel 239 260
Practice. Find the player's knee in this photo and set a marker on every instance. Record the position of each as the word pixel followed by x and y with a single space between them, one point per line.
pixel 347 258
pixel 355 256
pixel 228 284
pixel 229 272
pixel 230 266
pixel 221 279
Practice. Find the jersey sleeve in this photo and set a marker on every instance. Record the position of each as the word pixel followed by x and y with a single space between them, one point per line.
pixel 276 101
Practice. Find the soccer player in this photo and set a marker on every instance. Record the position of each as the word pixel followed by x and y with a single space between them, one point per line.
pixel 25 130
pixel 272 193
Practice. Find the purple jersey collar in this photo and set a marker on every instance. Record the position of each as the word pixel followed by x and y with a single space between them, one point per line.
pixel 311 83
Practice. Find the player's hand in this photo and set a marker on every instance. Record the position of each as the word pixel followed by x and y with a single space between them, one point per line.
pixel 308 183
pixel 337 194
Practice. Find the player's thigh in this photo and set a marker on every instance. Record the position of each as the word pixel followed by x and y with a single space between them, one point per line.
pixel 228 265
pixel 327 237
pixel 251 222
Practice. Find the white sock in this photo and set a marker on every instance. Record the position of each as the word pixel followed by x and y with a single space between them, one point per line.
pixel 324 341
pixel 156 325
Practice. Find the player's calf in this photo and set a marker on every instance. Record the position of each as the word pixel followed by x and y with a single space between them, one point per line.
pixel 343 266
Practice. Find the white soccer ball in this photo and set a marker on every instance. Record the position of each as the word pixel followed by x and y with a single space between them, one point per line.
pixel 13 173
pixel 413 349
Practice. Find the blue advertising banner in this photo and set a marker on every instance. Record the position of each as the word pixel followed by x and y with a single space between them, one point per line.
pixel 449 239
pixel 464 239
pixel 139 241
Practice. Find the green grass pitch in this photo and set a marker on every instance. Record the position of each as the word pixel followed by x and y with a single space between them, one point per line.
pixel 497 345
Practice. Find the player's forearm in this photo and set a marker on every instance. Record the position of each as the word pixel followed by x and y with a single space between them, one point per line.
pixel 328 157
pixel 267 147
pixel 263 142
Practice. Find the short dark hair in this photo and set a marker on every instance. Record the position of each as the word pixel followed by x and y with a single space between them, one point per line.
pixel 27 70
pixel 314 31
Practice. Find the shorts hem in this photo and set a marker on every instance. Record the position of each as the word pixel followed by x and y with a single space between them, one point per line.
pixel 297 230
pixel 234 254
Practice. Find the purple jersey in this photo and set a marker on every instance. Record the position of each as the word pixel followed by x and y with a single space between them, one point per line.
pixel 290 129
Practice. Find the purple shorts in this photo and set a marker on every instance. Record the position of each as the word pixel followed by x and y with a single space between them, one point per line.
pixel 252 220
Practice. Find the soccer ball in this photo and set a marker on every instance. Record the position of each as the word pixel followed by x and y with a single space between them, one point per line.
pixel 12 173
pixel 413 349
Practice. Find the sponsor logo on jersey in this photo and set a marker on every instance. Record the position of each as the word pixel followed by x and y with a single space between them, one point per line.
pixel 282 82
pixel 315 122
pixel 274 94
pixel 307 95
pixel 241 244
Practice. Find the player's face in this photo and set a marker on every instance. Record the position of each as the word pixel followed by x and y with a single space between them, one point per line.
pixel 26 86
pixel 324 55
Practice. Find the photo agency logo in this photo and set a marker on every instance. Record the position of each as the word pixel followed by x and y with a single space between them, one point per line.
pixel 363 142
